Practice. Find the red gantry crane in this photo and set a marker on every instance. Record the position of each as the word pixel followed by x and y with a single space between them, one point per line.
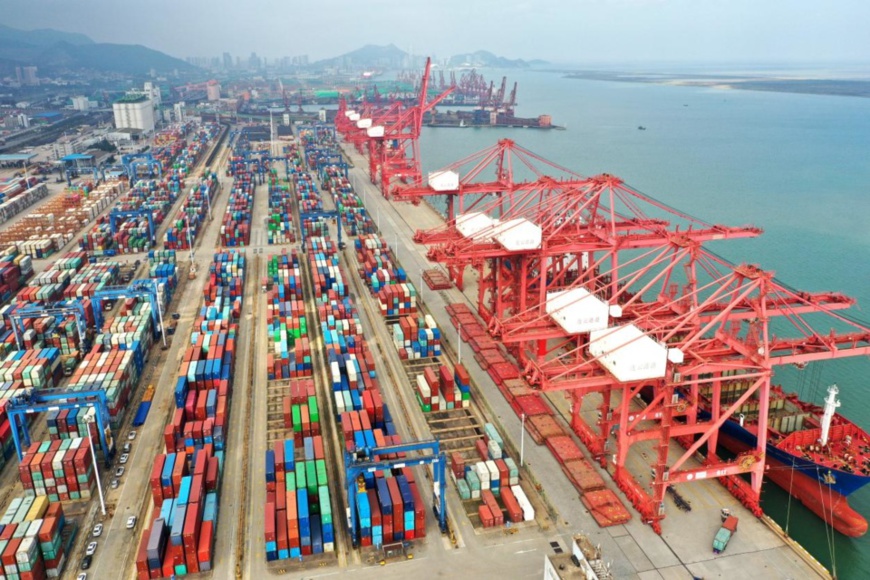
pixel 606 294
pixel 394 148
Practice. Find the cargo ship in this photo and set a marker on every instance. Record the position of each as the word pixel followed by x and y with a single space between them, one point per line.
pixel 813 452
pixel 486 118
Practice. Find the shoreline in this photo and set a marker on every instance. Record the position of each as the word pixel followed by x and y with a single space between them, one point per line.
pixel 794 85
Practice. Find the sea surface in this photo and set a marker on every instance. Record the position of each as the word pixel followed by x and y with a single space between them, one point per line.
pixel 797 166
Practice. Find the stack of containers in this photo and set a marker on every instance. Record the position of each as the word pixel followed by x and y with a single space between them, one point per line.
pixel 353 214
pixel 35 539
pixel 132 235
pixel 7 445
pixel 162 268
pixel 91 278
pixel 236 225
pixel 32 368
pixel 290 355
pixel 192 214
pixel 306 193
pixel 437 391
pixel 70 423
pixel 389 508
pixel 298 510
pixel 417 338
pixel 61 470
pixel 328 279
pixel 463 382
pixel 15 269
pixel 114 369
pixel 280 224
pixel 180 540
pixel 185 492
pixel 378 267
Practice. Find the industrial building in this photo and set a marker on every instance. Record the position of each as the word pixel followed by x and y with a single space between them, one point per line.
pixel 134 111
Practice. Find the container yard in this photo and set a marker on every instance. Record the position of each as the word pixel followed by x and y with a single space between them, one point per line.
pixel 297 388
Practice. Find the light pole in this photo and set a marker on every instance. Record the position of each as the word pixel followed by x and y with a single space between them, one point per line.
pixel 189 241
pixel 522 439
pixel 90 420
pixel 159 312
pixel 459 343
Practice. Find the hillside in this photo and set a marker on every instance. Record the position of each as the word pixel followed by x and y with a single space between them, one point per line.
pixel 43 37
pixel 370 55
pixel 483 58
pixel 53 51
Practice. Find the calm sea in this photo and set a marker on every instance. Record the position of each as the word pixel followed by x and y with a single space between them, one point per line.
pixel 797 166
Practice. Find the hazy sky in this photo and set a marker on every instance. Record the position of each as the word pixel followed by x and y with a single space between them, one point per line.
pixel 555 30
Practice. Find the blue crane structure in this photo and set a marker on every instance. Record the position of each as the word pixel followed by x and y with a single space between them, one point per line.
pixel 58 310
pixel 286 161
pixel 137 289
pixel 362 461
pixel 328 157
pixel 321 214
pixel 117 214
pixel 132 161
pixel 33 401
pixel 320 130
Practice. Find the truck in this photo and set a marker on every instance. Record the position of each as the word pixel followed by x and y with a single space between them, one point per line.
pixel 723 536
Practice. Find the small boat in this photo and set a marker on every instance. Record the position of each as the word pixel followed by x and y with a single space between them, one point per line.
pixel 641 128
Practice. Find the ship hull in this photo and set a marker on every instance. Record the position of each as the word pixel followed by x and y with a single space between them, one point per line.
pixel 804 483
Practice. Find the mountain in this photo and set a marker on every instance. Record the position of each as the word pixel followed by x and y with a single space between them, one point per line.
pixel 52 51
pixel 121 58
pixel 43 37
pixel 370 55
pixel 483 58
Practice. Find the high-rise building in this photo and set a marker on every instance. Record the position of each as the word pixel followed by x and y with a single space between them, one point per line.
pixel 81 103
pixel 152 91
pixel 228 61
pixel 26 75
pixel 254 61
pixel 213 90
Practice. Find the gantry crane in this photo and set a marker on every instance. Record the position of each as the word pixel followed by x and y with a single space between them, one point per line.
pixel 370 460
pixel 394 146
pixel 58 310
pixel 132 161
pixel 117 214
pixel 33 401
pixel 605 252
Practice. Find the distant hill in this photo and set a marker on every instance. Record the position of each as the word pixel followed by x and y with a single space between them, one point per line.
pixel 370 55
pixel 484 58
pixel 391 56
pixel 43 37
pixel 53 51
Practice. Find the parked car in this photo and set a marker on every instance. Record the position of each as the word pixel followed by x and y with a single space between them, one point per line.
pixel 131 522
pixel 124 458
pixel 92 548
pixel 86 562
pixel 98 530
pixel 119 472
pixel 131 435
pixel 114 484
pixel 127 447
pixel 82 576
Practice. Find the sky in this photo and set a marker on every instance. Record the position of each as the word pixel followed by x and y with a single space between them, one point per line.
pixel 560 31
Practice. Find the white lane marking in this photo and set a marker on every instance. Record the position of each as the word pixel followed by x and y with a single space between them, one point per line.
pixel 526 551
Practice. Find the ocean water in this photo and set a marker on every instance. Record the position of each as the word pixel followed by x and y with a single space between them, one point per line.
pixel 797 166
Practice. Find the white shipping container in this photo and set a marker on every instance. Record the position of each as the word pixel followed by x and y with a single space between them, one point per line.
pixel 525 504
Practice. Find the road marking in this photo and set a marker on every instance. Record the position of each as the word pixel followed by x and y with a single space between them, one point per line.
pixel 526 551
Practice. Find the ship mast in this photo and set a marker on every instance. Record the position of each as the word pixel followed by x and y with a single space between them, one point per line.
pixel 831 404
